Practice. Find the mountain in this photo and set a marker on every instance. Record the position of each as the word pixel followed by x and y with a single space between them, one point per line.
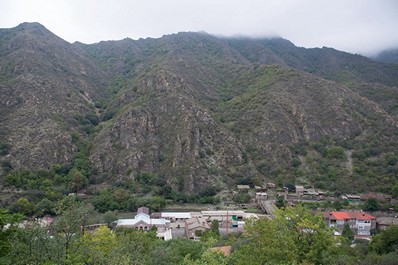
pixel 198 111
pixel 45 83
pixel 356 72
pixel 388 56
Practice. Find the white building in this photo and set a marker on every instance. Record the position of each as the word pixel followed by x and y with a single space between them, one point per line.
pixel 143 221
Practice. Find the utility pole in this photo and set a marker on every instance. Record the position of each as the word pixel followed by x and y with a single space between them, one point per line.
pixel 227 223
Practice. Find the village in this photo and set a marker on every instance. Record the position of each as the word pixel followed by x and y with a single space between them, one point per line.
pixel 262 204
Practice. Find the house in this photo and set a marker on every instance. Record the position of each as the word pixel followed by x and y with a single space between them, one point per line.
pixel 224 215
pixel 378 196
pixel 311 192
pixel 385 222
pixel 353 199
pixel 260 189
pixel 299 190
pixel 143 221
pixel 360 223
pixel 261 196
pixel 243 187
pixel 271 185
pixel 195 224
pixel 177 219
pixel 94 227
pixel 176 216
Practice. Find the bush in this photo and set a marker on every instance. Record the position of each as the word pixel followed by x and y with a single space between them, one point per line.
pixel 4 148
pixel 371 205
pixel 336 152
pixel 242 198
pixel 6 165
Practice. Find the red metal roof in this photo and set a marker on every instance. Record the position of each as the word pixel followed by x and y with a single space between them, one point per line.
pixel 348 215
pixel 341 215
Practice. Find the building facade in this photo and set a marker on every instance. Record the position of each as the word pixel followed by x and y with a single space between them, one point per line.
pixel 360 223
pixel 143 221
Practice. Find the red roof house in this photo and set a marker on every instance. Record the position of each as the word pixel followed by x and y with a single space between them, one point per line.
pixel 360 222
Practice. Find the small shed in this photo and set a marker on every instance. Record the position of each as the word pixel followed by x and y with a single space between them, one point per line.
pixel 243 187
pixel 260 189
pixel 299 190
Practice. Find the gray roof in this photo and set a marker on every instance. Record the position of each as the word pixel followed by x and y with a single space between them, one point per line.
pixel 144 210
pixel 387 220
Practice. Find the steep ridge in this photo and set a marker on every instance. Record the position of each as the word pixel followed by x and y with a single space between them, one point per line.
pixel 388 56
pixel 374 80
pixel 45 83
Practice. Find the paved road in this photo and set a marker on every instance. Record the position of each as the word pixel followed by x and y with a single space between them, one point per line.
pixel 269 207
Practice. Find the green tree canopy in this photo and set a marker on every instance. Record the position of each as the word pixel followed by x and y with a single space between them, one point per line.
pixel 371 204
pixel 386 241
pixel 294 236
pixel 347 232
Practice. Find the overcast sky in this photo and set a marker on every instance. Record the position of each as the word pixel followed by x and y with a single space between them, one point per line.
pixel 357 26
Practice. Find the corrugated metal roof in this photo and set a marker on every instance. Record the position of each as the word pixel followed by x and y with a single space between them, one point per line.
pixel 182 215
pixel 219 213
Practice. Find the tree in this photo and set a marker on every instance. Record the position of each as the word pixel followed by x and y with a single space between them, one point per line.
pixel 394 191
pixel 6 165
pixel 386 241
pixel 22 206
pixel 4 148
pixel 337 205
pixel 280 202
pixel 242 197
pixel 99 245
pixel 44 207
pixel 212 234
pixel 109 217
pixel 215 225
pixel 174 251
pixel 33 245
pixel 77 180
pixel 70 224
pixel 135 246
pixel 347 232
pixel 294 236
pixel 372 205
pixel 207 258
pixel 8 227
pixel 290 187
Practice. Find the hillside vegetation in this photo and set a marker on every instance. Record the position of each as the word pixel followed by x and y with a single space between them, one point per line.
pixel 194 111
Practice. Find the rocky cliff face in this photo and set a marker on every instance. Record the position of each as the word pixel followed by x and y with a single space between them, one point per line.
pixel 190 107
